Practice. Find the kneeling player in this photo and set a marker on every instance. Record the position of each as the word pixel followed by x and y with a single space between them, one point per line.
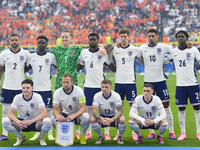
pixel 110 111
pixel 32 114
pixel 149 106
pixel 73 103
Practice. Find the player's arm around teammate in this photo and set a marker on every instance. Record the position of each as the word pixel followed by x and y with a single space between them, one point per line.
pixel 110 106
pixel 148 106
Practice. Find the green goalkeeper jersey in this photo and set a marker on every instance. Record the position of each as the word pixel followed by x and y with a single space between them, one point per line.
pixel 66 62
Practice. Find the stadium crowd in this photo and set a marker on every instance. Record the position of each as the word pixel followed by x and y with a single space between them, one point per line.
pixel 49 17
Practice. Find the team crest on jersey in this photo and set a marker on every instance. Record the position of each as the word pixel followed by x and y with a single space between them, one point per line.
pixel 112 104
pixel 130 53
pixel 153 108
pixel 159 51
pixel 21 58
pixel 65 128
pixel 74 99
pixel 188 55
pixel 46 61
pixel 99 58
pixel 32 105
pixel 72 51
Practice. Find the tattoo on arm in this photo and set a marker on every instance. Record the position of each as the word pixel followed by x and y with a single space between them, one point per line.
pixel 118 114
pixel 97 116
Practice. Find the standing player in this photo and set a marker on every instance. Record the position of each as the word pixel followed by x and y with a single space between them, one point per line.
pixel 41 63
pixel 154 56
pixel 73 102
pixel 125 75
pixel 187 85
pixel 94 60
pixel 32 115
pixel 149 106
pixel 14 60
pixel 110 111
pixel 66 59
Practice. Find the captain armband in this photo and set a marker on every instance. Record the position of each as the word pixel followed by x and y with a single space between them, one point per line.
pixel 82 100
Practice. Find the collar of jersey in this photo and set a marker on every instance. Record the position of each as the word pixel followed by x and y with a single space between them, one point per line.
pixel 17 51
pixel 154 46
pixel 108 96
pixel 42 54
pixel 70 92
pixel 182 49
pixel 125 47
pixel 66 47
pixel 149 101
pixel 28 99
pixel 94 51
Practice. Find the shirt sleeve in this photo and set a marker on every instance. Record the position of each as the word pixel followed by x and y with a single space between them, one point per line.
pixel 81 59
pixel 56 98
pixel 81 97
pixel 14 103
pixel 40 101
pixel 118 100
pixel 133 112
pixel 197 55
pixel 95 101
pixel 2 62
pixel 54 60
pixel 161 110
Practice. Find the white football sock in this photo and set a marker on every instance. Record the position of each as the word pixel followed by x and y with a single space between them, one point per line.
pixel 197 116
pixel 169 119
pixel 181 118
pixel 97 128
pixel 163 127
pixel 45 127
pixel 5 110
pixel 89 111
pixel 135 127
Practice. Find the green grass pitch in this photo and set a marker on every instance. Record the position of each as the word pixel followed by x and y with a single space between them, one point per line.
pixel 191 140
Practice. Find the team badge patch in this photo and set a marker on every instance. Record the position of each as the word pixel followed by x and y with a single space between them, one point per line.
pixel 153 108
pixel 112 104
pixel 32 105
pixel 21 58
pixel 46 61
pixel 99 58
pixel 130 53
pixel 188 55
pixel 159 51
pixel 72 51
pixel 74 99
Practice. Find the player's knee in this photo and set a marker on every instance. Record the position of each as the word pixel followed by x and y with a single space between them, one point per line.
pixel 134 126
pixel 47 122
pixel 122 120
pixel 166 104
pixel 85 119
pixel 95 126
pixel 6 122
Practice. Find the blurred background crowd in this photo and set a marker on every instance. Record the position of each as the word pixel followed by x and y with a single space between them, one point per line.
pixel 30 18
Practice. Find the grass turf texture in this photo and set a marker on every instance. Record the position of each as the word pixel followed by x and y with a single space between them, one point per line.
pixel 191 140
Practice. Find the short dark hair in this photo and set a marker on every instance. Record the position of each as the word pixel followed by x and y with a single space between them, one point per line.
pixel 152 30
pixel 15 34
pixel 42 37
pixel 68 31
pixel 149 85
pixel 27 81
pixel 93 34
pixel 182 31
pixel 106 81
pixel 123 31
pixel 67 75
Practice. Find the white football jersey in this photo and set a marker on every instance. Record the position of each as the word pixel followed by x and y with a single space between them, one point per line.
pixel 149 110
pixel 154 58
pixel 41 66
pixel 27 109
pixel 125 58
pixel 107 107
pixel 69 102
pixel 14 68
pixel 184 61
pixel 94 62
